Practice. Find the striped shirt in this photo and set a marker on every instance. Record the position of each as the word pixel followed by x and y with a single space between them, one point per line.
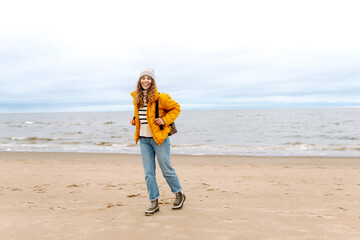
pixel 144 127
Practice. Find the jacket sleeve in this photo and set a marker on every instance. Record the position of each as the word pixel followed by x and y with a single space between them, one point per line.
pixel 172 108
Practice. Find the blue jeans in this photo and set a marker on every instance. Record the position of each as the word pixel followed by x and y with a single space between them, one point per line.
pixel 149 148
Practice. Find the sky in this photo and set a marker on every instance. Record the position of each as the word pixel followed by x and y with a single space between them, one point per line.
pixel 66 56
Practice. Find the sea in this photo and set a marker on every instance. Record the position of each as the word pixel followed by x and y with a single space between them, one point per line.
pixel 265 132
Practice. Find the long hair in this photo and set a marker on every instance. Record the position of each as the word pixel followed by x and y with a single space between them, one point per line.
pixel 151 92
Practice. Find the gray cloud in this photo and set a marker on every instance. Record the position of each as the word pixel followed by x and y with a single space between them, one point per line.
pixel 46 79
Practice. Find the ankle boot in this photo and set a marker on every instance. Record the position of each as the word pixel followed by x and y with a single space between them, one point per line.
pixel 179 200
pixel 153 208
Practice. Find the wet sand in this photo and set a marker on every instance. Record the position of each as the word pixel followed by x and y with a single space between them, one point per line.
pixel 103 196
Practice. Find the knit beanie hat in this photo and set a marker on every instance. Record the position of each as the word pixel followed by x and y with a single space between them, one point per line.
pixel 148 71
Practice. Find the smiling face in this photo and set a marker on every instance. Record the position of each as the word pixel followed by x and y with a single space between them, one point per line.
pixel 145 82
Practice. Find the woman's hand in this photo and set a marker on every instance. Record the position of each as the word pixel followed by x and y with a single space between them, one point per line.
pixel 159 121
pixel 132 121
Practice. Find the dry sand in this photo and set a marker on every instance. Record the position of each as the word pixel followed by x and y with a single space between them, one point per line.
pixel 103 196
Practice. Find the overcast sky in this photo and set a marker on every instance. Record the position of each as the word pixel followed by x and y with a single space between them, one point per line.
pixel 86 55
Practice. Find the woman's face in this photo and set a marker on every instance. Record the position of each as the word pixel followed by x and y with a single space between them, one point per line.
pixel 145 82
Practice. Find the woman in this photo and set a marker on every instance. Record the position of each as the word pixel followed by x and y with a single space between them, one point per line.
pixel 154 139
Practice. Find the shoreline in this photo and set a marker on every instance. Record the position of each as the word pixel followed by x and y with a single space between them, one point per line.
pixel 193 159
pixel 174 152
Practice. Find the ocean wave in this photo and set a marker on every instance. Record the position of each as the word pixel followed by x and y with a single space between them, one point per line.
pixel 26 124
pixel 299 144
pixel 348 138
pixel 117 136
pixel 188 149
pixel 71 143
pixel 37 123
pixel 132 145
pixel 73 133
pixel 295 136
pixel 32 139
pixel 104 144
pixel 16 126
pixel 287 148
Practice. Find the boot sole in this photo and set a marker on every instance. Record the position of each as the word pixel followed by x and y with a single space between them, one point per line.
pixel 181 204
pixel 152 213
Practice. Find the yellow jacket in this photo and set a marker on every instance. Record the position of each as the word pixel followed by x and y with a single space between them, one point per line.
pixel 169 110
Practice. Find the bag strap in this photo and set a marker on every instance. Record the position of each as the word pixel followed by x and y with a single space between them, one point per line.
pixel 157 112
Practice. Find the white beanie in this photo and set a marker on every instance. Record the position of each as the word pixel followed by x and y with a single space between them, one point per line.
pixel 148 71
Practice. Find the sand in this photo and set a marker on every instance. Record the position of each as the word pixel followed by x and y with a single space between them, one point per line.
pixel 103 196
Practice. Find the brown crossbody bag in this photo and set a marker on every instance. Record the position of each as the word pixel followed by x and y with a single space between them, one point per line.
pixel 172 125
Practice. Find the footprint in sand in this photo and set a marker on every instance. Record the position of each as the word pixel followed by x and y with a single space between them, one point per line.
pixel 30 205
pixel 109 186
pixel 341 208
pixel 74 185
pixel 111 205
pixel 133 195
pixel 77 186
pixel 56 207
pixel 40 188
pixel 75 192
pixel 205 184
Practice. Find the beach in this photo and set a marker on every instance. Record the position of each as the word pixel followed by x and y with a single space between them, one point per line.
pixel 48 195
